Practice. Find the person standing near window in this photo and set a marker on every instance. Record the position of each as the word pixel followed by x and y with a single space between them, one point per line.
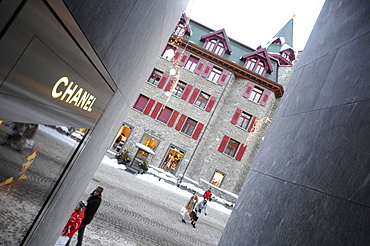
pixel 93 203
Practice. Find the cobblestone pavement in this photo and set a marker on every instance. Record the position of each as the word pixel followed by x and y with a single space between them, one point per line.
pixel 137 212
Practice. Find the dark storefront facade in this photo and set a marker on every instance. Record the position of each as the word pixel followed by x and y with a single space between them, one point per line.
pixel 54 91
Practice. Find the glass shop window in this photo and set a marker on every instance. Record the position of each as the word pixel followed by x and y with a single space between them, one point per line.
pixel 32 158
pixel 217 178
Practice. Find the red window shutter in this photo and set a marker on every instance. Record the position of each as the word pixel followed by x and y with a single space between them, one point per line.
pixel 200 66
pixel 265 96
pixel 149 106
pixel 173 118
pixel 170 83
pixel 156 110
pixel 210 103
pixel 194 95
pixel 223 144
pixel 207 70
pixel 163 80
pixel 186 92
pixel 248 90
pixel 240 152
pixel 176 56
pixel 197 130
pixel 180 123
pixel 251 124
pixel 184 58
pixel 224 77
pixel 141 103
pixel 235 118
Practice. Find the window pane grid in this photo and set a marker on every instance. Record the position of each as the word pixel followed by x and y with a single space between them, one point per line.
pixel 179 89
pixel 211 44
pixel 155 77
pixel 231 147
pixel 255 95
pixel 214 75
pixel 189 126
pixel 243 120
pixel 191 64
pixel 202 100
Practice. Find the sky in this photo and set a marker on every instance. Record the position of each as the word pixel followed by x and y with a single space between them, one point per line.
pixel 254 23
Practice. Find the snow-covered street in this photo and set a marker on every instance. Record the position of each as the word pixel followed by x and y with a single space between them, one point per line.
pixel 145 210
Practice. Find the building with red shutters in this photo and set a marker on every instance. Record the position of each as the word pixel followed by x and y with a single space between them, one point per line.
pixel 205 107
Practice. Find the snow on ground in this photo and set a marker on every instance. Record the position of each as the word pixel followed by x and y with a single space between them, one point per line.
pixel 155 177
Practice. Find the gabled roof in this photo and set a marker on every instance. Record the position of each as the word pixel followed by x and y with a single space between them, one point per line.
pixel 220 34
pixel 185 20
pixel 263 55
pixel 287 33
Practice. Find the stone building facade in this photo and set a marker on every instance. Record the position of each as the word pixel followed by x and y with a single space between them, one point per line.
pixel 213 123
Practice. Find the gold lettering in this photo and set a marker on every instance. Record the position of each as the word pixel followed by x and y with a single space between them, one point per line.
pixel 86 107
pixel 54 92
pixel 83 99
pixel 90 107
pixel 77 96
pixel 69 91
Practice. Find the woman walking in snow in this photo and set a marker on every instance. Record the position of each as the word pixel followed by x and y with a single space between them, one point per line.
pixel 202 206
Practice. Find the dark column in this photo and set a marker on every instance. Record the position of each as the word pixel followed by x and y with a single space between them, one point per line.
pixel 310 182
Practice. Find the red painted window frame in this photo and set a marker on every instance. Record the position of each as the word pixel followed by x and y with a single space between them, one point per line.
pixel 202 100
pixel 155 76
pixel 256 94
pixel 244 117
pixel 234 146
pixel 189 126
pixel 179 88
pixel 192 63
pixel 215 75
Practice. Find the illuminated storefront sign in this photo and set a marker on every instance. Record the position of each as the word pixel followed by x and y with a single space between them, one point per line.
pixel 81 98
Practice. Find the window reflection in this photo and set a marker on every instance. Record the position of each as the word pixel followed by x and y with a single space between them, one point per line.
pixel 32 158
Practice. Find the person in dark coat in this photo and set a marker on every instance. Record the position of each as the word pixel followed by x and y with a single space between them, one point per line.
pixel 93 203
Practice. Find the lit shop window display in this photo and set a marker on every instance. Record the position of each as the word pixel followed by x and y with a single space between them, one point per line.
pixel 32 158
pixel 217 178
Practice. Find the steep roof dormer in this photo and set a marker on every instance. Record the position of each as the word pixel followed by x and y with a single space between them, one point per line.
pixel 217 42
pixel 183 26
pixel 258 62
pixel 280 47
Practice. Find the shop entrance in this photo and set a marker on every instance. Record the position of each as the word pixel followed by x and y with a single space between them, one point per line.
pixel 172 159
pixel 146 148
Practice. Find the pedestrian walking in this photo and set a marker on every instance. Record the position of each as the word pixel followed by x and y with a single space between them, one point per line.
pixel 73 224
pixel 93 203
pixel 208 194
pixel 202 206
pixel 189 207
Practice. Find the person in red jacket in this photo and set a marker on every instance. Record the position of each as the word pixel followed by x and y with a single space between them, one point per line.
pixel 207 194
pixel 93 203
pixel 73 224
